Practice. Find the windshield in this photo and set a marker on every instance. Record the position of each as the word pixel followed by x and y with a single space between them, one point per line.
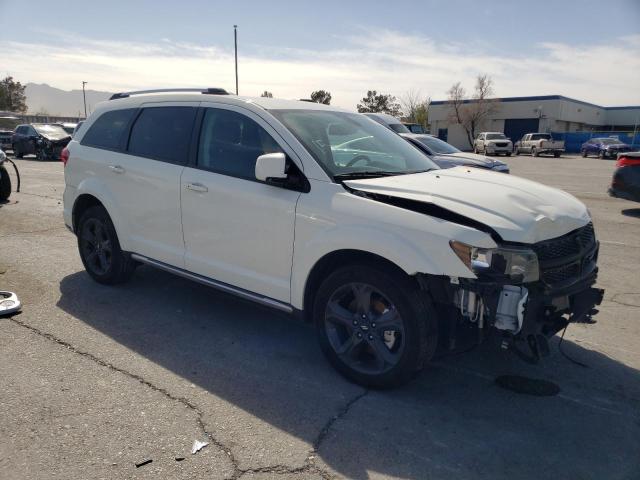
pixel 50 129
pixel 540 136
pixel 345 143
pixel 496 136
pixel 609 141
pixel 437 146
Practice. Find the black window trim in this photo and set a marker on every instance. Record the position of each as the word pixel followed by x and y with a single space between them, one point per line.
pixel 195 148
pixel 126 140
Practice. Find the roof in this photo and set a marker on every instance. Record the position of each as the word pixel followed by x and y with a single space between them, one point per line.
pixel 541 98
pixel 178 96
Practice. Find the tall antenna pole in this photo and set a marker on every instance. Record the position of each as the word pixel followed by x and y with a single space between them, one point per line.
pixel 235 41
pixel 84 98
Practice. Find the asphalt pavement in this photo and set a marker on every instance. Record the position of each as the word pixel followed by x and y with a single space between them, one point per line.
pixel 95 380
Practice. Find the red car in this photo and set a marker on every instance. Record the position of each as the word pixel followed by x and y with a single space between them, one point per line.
pixel 626 178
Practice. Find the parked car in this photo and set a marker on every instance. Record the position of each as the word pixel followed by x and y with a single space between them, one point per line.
pixel 69 127
pixel 5 139
pixel 389 121
pixel 539 143
pixel 393 256
pixel 447 156
pixel 77 127
pixel 626 179
pixel 415 127
pixel 44 140
pixel 492 143
pixel 607 147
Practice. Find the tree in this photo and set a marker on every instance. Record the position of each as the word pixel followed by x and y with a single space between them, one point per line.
pixel 321 96
pixel 416 108
pixel 374 103
pixel 472 113
pixel 12 97
pixel 267 94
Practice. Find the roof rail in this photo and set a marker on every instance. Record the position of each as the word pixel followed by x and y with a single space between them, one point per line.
pixel 206 91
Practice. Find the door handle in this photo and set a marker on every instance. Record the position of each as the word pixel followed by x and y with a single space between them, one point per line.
pixel 197 187
pixel 116 168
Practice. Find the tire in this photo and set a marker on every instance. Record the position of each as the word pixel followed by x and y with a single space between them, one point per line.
pixel 601 154
pixel 475 149
pixel 534 152
pixel 517 151
pixel 16 152
pixel 583 152
pixel 100 249
pixel 508 154
pixel 5 184
pixel 374 357
pixel 556 154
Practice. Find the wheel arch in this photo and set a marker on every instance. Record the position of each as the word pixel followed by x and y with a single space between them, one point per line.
pixel 81 205
pixel 335 259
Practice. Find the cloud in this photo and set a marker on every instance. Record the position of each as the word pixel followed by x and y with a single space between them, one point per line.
pixel 385 60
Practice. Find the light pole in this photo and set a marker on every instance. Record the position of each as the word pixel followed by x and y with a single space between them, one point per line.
pixel 84 98
pixel 235 42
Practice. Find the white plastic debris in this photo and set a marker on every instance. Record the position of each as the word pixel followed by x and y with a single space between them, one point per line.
pixel 197 446
pixel 9 303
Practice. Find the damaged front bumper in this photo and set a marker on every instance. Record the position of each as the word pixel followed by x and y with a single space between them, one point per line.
pixel 524 315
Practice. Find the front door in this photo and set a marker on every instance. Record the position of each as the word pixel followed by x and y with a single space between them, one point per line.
pixel 237 230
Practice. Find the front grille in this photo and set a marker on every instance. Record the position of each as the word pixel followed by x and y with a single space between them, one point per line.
pixel 566 246
pixel 568 257
pixel 501 144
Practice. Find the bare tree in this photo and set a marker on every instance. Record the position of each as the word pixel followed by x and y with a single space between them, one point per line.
pixel 416 107
pixel 472 113
pixel 267 94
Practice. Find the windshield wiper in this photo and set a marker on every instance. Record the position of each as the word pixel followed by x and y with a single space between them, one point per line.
pixel 373 174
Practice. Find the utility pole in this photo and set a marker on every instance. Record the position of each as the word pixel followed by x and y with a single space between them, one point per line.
pixel 84 98
pixel 235 41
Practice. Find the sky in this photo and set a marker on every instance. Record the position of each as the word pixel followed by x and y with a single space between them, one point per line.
pixel 589 50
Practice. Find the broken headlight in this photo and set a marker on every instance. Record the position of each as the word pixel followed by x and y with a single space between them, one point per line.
pixel 519 264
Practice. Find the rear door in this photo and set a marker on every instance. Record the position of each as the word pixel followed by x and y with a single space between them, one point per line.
pixel 238 230
pixel 142 175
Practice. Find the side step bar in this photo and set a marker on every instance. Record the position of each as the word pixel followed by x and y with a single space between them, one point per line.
pixel 224 287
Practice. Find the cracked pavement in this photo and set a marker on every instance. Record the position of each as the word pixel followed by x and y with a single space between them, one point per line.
pixel 95 379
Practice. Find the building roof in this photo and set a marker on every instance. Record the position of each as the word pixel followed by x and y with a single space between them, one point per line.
pixel 540 98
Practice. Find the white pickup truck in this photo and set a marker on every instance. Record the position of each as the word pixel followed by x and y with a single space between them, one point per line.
pixel 537 143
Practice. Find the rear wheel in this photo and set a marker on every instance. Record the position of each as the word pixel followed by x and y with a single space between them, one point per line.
pixel 374 326
pixel 583 152
pixel 5 184
pixel 100 249
pixel 517 151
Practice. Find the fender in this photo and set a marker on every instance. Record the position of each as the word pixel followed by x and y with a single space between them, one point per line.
pixel 95 187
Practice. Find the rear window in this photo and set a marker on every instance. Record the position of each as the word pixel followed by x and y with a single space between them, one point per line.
pixel 540 136
pixel 163 133
pixel 107 130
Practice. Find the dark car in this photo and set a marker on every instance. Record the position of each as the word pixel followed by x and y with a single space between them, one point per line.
pixel 607 147
pixel 626 179
pixel 448 156
pixel 5 139
pixel 415 127
pixel 388 121
pixel 44 140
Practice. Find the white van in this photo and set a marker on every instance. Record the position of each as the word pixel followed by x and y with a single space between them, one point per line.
pixel 325 213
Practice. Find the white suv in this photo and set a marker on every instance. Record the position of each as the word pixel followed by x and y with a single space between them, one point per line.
pixel 325 213
pixel 492 143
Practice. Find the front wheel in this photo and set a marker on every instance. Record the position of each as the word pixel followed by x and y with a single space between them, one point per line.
pixel 601 154
pixel 374 325
pixel 534 152
pixel 5 184
pixel 508 154
pixel 16 152
pixel 100 249
pixel 583 152
pixel 556 154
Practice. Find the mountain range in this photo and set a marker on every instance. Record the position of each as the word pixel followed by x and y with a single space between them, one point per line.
pixel 45 99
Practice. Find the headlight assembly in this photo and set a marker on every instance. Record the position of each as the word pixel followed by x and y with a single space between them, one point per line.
pixel 519 264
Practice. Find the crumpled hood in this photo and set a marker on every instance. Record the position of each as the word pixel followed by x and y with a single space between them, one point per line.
pixel 54 137
pixel 519 210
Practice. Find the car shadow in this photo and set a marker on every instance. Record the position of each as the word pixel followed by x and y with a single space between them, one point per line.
pixel 631 212
pixel 451 422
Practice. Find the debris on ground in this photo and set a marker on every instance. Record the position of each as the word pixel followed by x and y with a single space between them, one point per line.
pixel 143 463
pixel 197 446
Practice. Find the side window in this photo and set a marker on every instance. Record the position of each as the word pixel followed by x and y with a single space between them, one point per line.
pixel 230 143
pixel 163 133
pixel 31 131
pixel 107 130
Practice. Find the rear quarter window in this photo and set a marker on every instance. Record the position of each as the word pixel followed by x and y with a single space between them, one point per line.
pixel 163 133
pixel 107 131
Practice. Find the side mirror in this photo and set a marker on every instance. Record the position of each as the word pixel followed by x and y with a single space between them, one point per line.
pixel 270 167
